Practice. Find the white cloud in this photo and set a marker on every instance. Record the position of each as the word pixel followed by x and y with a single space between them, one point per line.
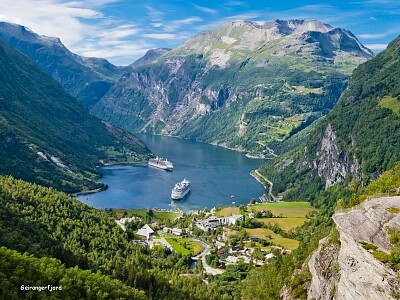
pixel 205 9
pixel 373 35
pixel 376 47
pixel 154 14
pixel 80 25
pixel 161 36
pixel 235 3
pixel 373 19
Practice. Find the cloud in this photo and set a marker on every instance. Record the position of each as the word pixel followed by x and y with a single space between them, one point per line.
pixel 373 35
pixel 154 14
pixel 235 3
pixel 376 47
pixel 205 9
pixel 161 36
pixel 81 26
pixel 373 19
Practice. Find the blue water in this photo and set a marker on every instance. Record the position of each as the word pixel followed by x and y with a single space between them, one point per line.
pixel 219 177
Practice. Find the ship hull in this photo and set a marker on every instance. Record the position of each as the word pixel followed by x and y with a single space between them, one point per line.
pixel 160 166
pixel 180 196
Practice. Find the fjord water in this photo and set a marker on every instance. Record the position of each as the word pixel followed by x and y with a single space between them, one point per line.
pixel 219 177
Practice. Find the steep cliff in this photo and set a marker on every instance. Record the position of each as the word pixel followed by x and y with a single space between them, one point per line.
pixel 357 140
pixel 349 271
pixel 246 85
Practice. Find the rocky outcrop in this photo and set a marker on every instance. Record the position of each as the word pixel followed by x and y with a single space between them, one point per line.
pixel 324 267
pixel 358 274
pixel 332 163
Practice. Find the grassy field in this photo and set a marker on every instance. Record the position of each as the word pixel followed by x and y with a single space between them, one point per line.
pixel 284 223
pixel 287 209
pixel 275 238
pixel 193 248
pixel 158 215
pixel 391 103
pixel 293 213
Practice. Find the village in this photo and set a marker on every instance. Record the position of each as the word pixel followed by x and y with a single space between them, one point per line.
pixel 249 234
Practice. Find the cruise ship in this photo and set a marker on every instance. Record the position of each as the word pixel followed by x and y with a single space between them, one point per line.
pixel 160 163
pixel 180 189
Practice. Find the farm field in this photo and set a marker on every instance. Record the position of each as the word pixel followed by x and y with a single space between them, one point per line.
pixel 286 209
pixel 192 248
pixel 275 238
pixel 284 223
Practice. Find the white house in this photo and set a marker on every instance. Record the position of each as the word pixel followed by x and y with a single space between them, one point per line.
pixel 232 220
pixel 145 232
pixel 232 259
pixel 176 231
pixel 269 256
pixel 212 223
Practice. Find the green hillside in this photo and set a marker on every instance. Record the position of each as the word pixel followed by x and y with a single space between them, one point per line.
pixel 243 84
pixel 47 136
pixel 358 139
pixel 47 223
pixel 19 271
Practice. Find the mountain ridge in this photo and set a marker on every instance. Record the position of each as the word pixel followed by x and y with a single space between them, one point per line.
pixel 218 86
pixel 88 79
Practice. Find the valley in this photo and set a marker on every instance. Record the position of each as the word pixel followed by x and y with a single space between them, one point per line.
pixel 288 131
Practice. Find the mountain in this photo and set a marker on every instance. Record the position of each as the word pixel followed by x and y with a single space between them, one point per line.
pixel 47 136
pixel 150 56
pixel 87 79
pixel 245 85
pixel 357 140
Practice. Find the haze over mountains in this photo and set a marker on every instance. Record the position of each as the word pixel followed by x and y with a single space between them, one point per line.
pixel 245 85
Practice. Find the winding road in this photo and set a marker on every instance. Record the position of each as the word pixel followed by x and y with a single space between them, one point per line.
pixel 202 256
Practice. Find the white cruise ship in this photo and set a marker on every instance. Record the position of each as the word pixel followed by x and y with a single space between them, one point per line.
pixel 160 163
pixel 180 189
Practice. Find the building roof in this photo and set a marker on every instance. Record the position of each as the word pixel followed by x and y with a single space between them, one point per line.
pixel 236 217
pixel 145 230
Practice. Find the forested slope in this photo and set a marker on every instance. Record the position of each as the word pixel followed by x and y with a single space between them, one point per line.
pixel 47 136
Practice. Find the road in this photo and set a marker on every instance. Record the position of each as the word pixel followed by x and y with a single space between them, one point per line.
pixel 202 256
pixel 257 175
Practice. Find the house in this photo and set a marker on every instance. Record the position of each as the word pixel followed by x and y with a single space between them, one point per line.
pixel 246 259
pixel 232 220
pixel 167 230
pixel 254 239
pixel 177 231
pixel 210 224
pixel 232 259
pixel 145 232
pixel 269 256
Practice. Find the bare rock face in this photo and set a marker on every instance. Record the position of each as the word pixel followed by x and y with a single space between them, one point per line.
pixel 332 163
pixel 324 267
pixel 358 274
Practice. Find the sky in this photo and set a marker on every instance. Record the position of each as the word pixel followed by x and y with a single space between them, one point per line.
pixel 123 30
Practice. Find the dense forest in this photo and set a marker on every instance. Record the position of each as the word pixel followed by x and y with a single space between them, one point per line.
pixel 47 136
pixel 46 223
